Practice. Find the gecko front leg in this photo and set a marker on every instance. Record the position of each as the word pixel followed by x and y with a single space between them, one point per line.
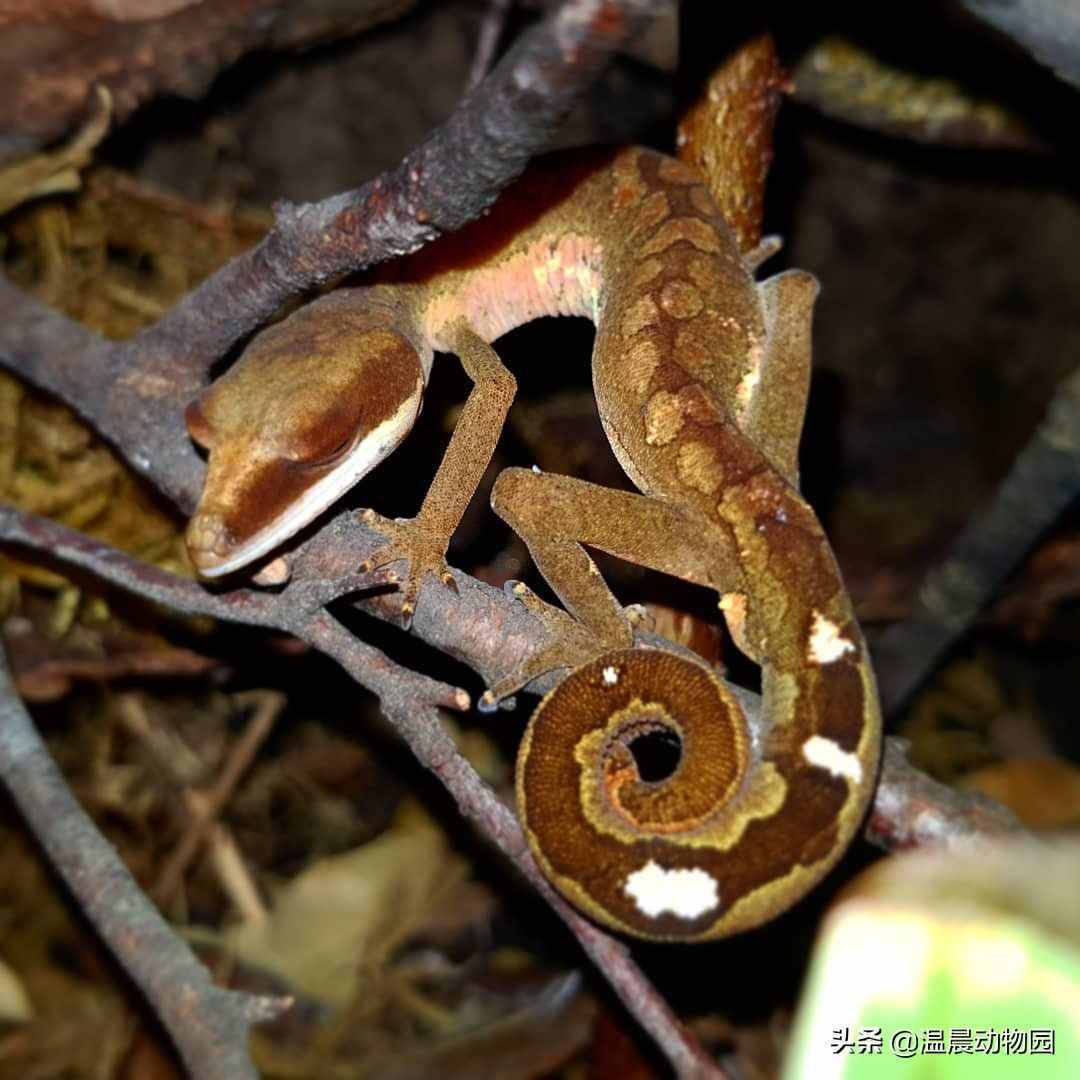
pixel 423 540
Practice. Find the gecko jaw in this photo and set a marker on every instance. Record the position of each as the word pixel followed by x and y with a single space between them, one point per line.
pixel 207 533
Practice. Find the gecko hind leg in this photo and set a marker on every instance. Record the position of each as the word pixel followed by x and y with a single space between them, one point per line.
pixel 555 516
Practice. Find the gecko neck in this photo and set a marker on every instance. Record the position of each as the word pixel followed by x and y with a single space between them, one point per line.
pixel 562 275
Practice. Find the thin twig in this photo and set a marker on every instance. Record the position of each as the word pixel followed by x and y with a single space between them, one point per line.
pixel 268 706
pixel 231 870
pixel 398 688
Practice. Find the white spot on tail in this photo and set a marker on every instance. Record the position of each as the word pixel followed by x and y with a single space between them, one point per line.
pixel 827 755
pixel 826 644
pixel 686 893
pixel 610 675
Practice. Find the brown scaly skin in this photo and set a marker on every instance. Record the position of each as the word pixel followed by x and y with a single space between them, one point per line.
pixel 701 377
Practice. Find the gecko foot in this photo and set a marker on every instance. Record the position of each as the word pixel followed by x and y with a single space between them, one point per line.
pixel 413 540
pixel 567 644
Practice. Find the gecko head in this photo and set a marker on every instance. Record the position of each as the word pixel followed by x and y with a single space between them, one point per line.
pixel 313 404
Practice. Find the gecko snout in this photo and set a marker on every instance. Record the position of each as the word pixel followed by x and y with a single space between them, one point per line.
pixel 209 541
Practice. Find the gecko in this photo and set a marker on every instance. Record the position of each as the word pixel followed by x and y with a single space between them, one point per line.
pixel 701 376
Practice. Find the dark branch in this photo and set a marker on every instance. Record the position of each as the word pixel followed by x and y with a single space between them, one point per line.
pixel 492 28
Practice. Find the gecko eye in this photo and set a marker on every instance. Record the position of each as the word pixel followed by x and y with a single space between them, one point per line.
pixel 331 458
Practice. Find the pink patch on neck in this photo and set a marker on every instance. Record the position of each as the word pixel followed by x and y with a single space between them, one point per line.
pixel 561 277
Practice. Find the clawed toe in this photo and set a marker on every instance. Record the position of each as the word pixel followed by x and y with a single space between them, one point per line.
pixel 409 540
